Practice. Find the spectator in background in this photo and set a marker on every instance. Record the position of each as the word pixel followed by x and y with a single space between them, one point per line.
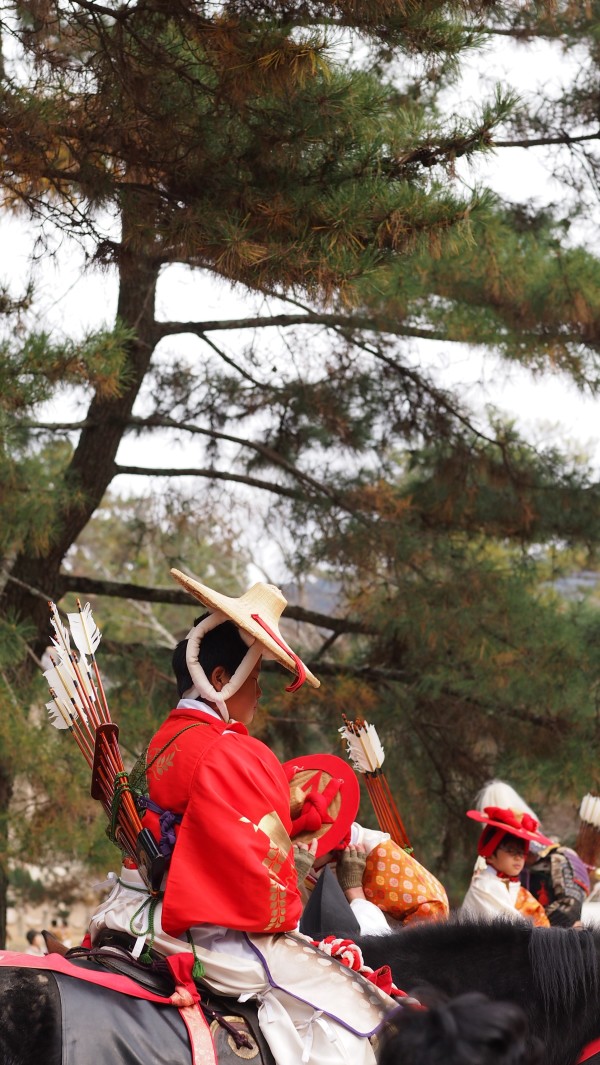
pixel 36 943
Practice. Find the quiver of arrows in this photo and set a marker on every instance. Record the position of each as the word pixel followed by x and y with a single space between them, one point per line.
pixel 79 706
pixel 366 755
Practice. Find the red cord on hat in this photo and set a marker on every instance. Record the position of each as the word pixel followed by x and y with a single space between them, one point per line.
pixel 299 664
pixel 315 809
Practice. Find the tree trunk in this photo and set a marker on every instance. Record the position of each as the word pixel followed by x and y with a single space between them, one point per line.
pixel 6 790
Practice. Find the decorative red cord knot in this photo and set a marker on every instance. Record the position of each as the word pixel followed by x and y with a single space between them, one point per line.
pixel 181 965
pixel 315 809
pixel 511 818
pixel 529 823
pixel 181 997
pixel 503 823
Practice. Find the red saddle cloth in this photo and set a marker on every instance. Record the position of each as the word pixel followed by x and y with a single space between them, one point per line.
pixel 185 1000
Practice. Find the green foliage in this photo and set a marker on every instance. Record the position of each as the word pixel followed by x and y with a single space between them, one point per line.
pixel 244 145
pixel 304 152
pixel 33 366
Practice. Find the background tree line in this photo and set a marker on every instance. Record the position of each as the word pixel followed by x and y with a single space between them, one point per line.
pixel 304 154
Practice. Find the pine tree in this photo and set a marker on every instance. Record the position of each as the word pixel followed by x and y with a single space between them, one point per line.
pixel 301 151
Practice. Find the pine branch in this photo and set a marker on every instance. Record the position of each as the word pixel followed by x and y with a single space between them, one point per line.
pixel 262 449
pixel 534 142
pixel 213 475
pixel 119 590
pixel 285 321
pixel 118 14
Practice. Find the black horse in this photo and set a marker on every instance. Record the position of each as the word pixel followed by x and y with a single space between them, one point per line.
pixel 552 973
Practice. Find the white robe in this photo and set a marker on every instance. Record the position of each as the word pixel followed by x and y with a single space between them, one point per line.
pixel 311 1008
pixel 489 896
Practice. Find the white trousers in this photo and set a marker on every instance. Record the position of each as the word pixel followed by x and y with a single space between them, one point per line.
pixel 312 1010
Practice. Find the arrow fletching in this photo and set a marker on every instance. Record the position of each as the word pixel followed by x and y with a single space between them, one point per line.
pixel 86 634
pixel 80 707
pixel 366 754
pixel 61 638
pixel 59 716
pixel 363 746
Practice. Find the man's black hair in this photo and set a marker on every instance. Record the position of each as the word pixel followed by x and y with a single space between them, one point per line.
pixel 222 646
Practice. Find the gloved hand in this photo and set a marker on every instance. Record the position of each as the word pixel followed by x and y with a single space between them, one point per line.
pixel 351 866
pixel 304 857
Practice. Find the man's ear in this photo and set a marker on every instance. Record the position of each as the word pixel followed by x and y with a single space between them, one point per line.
pixel 219 678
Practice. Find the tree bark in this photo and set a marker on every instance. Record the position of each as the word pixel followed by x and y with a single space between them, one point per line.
pixel 6 790
pixel 90 472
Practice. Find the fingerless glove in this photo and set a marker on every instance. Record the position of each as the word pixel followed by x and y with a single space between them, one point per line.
pixel 350 868
pixel 303 860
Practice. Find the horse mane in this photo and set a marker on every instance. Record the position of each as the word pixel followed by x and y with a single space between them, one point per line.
pixel 564 962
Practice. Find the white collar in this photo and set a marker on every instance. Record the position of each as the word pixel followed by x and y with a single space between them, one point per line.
pixel 197 704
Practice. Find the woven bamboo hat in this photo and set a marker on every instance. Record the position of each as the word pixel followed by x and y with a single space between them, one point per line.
pixel 257 613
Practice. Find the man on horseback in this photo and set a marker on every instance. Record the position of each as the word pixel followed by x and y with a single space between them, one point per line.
pixel 218 805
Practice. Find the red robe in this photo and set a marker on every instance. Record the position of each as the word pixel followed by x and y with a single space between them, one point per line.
pixel 233 861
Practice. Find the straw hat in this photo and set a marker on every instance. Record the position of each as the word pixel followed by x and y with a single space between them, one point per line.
pixel 508 823
pixel 324 799
pixel 257 612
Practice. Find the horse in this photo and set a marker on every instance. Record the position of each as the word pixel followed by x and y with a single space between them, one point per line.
pixel 552 973
pixel 469 1030
pixel 49 1017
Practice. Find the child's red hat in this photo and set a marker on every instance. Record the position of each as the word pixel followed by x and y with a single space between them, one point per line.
pixel 508 823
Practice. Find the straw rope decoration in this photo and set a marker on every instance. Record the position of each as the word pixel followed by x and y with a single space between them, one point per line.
pixel 587 844
pixel 366 755
pixel 79 706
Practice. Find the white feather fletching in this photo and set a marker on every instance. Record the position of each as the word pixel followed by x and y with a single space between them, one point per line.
pixel 59 716
pixel 86 677
pixel 61 682
pixel 61 639
pixel 363 747
pixel 589 811
pixel 84 630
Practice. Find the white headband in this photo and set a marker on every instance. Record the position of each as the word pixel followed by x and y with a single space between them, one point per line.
pixel 202 685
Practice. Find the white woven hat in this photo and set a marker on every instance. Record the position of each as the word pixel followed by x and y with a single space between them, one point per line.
pixel 256 613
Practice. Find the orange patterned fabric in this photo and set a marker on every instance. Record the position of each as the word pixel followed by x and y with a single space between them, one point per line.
pixel 529 907
pixel 395 882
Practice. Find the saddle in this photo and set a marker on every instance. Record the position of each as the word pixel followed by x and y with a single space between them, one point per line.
pixel 112 953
